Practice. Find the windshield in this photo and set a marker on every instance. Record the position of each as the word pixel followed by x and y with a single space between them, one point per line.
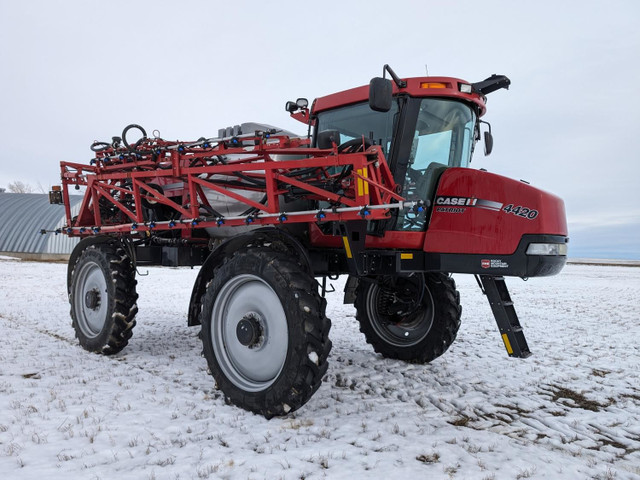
pixel 432 134
pixel 355 121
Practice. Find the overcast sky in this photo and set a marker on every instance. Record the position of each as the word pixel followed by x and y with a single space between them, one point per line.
pixel 76 71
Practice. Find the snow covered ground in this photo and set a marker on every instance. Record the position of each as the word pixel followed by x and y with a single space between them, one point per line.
pixel 151 412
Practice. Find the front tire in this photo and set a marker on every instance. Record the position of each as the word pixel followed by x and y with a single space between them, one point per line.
pixel 103 298
pixel 264 332
pixel 415 319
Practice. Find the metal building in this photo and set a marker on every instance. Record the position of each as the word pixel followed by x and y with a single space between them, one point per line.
pixel 23 215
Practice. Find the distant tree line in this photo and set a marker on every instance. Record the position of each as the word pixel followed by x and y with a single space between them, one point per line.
pixel 22 187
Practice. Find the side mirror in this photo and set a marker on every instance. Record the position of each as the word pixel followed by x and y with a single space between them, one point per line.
pixel 299 104
pixel 327 138
pixel 380 94
pixel 488 143
pixel 291 107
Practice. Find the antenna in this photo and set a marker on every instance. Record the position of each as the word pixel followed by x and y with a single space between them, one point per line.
pixel 426 69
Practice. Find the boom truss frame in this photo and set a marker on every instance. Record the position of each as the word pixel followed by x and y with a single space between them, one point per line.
pixel 355 186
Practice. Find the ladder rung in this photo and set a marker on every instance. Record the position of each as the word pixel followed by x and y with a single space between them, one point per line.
pixel 505 315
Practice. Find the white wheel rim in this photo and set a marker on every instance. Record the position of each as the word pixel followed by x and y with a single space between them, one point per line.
pixel 257 366
pixel 89 285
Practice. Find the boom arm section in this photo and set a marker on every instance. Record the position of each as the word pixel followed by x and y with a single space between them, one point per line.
pixel 126 184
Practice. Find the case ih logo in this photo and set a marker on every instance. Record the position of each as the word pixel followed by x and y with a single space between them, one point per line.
pixel 456 201
pixel 469 202
pixel 486 263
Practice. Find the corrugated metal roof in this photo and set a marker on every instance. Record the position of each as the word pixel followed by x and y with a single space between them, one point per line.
pixel 23 215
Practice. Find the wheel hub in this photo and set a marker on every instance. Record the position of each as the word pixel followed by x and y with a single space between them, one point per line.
pixel 249 331
pixel 402 298
pixel 92 299
pixel 401 314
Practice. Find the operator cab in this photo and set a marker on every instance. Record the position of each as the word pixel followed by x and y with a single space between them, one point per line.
pixel 423 125
pixel 420 137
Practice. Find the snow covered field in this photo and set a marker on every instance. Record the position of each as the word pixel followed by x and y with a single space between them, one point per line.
pixel 151 412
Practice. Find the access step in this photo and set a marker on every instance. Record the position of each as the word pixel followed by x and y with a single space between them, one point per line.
pixel 504 312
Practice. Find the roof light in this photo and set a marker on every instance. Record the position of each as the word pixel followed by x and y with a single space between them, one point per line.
pixel 465 88
pixel 433 85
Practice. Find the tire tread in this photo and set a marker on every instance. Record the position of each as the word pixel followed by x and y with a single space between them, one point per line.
pixel 299 380
pixel 442 334
pixel 111 256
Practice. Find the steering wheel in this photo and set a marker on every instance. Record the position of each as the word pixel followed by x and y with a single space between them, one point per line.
pixel 354 145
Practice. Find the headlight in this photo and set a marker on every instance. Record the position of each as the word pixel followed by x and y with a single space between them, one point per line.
pixel 547 249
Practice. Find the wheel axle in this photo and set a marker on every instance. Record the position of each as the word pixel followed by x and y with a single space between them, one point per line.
pixel 249 331
pixel 92 299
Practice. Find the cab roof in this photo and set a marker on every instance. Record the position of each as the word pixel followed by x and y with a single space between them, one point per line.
pixel 416 87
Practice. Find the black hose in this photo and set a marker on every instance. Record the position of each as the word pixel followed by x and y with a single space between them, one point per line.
pixel 99 146
pixel 133 149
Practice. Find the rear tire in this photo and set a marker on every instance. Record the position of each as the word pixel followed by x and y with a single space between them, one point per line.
pixel 264 332
pixel 397 326
pixel 103 298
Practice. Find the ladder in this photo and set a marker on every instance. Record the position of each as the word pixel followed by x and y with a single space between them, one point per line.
pixel 504 312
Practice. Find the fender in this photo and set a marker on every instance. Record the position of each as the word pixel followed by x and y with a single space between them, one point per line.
pixel 257 238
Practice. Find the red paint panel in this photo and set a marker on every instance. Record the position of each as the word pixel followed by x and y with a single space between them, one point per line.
pixel 484 227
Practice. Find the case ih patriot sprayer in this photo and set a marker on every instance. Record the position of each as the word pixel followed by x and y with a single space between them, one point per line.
pixel 378 189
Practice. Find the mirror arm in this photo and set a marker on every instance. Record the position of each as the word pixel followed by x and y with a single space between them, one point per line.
pixel 486 123
pixel 396 79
